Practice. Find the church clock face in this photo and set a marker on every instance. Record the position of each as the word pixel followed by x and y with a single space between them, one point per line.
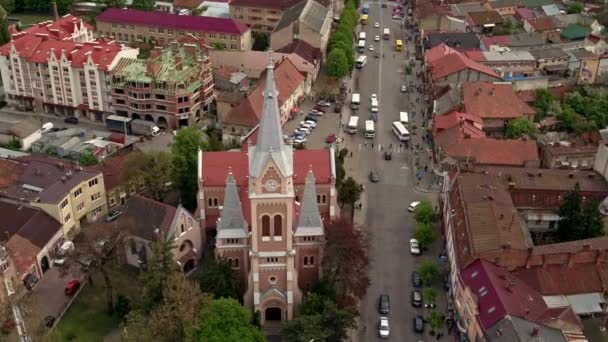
pixel 271 185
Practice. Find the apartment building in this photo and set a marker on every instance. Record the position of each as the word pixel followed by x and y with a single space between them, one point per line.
pixel 260 16
pixel 65 191
pixel 57 67
pixel 130 26
pixel 173 87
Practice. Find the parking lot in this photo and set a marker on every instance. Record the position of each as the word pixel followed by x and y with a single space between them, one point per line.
pixel 328 123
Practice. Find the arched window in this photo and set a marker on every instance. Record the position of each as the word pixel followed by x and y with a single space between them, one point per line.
pixel 324 199
pixel 210 201
pixel 215 202
pixel 182 228
pixel 312 260
pixel 278 225
pixel 265 225
pixel 318 199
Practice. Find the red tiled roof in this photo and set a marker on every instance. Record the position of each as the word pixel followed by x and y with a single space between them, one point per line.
pixel 464 120
pixel 187 23
pixel 191 4
pixel 565 280
pixel 111 168
pixel 60 29
pixel 475 55
pixel 301 48
pixel 272 4
pixel 426 8
pixel 493 101
pixel 10 172
pixel 487 151
pixel 542 24
pixel 495 40
pixel 439 51
pixel 453 61
pixel 23 254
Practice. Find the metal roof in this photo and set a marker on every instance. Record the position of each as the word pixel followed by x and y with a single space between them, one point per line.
pixel 309 222
pixel 231 224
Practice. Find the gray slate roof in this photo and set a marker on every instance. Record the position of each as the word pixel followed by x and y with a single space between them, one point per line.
pixel 308 12
pixel 309 222
pixel 231 224
pixel 549 53
pixel 464 40
pixel 526 39
pixel 290 15
pixel 270 144
pixel 515 329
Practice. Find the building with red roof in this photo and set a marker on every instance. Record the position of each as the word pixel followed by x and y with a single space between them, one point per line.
pixel 268 204
pixel 57 67
pixel 260 15
pixel 160 28
pixel 446 65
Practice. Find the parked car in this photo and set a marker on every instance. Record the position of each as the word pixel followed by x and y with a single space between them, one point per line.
pixel 320 108
pixel 414 247
pixel 413 206
pixel 311 118
pixel 72 287
pixel 324 104
pixel 374 177
pixel 373 97
pixel 338 107
pixel 384 304
pixel 306 125
pixel 419 324
pixel 49 321
pixel 395 16
pixel 311 123
pixel 377 38
pixel 302 130
pixel 315 113
pixel 371 48
pixel 384 330
pixel 388 155
pixel 377 24
pixel 416 280
pixel 113 215
pixel 330 138
pixel 71 120
pixel 403 88
pixel 416 298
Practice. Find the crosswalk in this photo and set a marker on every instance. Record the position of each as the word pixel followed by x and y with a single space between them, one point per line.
pixel 371 147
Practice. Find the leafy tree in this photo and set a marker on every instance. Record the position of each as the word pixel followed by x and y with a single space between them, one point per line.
pixel 4 36
pixel 430 294
pixel 337 63
pixel 8 5
pixel 218 279
pixel 260 41
pixel 144 5
pixel 425 213
pixel 434 320
pixel 225 320
pixel 429 272
pixel 158 269
pixel 544 100
pixel 123 306
pixel 570 214
pixel 575 8
pixel 584 126
pixel 340 172
pixel 593 224
pixel 152 169
pixel 87 159
pixel 345 260
pixel 306 328
pixel 185 148
pixel 14 145
pixel 520 127
pixel 568 118
pixel 425 234
pixel 349 192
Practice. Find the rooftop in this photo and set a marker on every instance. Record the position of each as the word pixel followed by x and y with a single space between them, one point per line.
pixel 493 100
pixel 549 179
pixel 458 40
pixel 542 24
pixel 505 3
pixel 271 4
pixel 111 168
pixel 515 329
pixel 63 29
pixel 144 216
pixel 574 32
pixel 188 23
pixel 485 18
pixel 526 39
pixel 486 151
pixel 445 61
pixel 301 48
pixel 508 56
pixel 561 279
pixel 461 10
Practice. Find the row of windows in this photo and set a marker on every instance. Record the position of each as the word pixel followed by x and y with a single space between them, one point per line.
pixel 277 225
pixel 213 201
pixel 170 31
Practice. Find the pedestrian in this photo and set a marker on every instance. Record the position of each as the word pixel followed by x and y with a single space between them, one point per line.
pixel 381 148
pixel 372 145
pixel 351 153
pixel 391 146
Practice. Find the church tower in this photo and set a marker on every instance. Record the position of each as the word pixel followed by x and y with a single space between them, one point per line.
pixel 273 277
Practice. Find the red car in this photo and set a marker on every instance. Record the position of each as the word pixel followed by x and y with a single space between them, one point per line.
pixel 72 287
pixel 330 138
pixel 320 109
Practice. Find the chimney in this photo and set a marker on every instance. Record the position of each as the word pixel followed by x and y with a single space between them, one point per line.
pixel 55 11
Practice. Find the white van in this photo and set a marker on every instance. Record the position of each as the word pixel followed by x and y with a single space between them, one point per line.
pixel 47 127
pixel 404 118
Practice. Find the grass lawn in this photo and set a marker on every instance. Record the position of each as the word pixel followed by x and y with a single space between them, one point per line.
pixel 30 18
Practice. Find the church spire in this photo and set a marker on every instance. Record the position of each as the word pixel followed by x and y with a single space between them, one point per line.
pixel 231 224
pixel 309 222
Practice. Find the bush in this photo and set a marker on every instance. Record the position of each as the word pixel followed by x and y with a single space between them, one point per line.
pixel 429 272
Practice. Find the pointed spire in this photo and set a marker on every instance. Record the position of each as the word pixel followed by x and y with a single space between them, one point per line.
pixel 231 224
pixel 270 136
pixel 309 222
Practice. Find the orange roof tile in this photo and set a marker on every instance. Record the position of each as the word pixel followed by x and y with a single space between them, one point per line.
pixel 493 101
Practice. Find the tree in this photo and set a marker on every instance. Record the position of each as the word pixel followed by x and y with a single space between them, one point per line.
pixel 152 170
pixel 544 100
pixel 575 8
pixel 225 320
pixel 346 259
pixel 568 119
pixel 260 41
pixel 519 127
pixel 116 3
pixel 4 36
pixel 425 234
pixel 425 213
pixel 185 148
pixel 337 63
pixel 349 192
pixel 8 5
pixel 434 320
pixel 218 279
pixel 593 225
pixel 429 272
pixel 430 294
pixel 157 271
pixel 218 46
pixel 123 306
pixel 570 216
pixel 305 328
pixel 144 5
pixel 87 159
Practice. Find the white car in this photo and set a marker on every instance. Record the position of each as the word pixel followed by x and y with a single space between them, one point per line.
pixel 377 38
pixel 302 130
pixel 414 247
pixel 396 16
pixel 371 48
pixel 306 125
pixel 403 88
pixel 312 123
pixel 373 97
pixel 377 24
pixel 413 206
pixel 315 112
pixel 383 329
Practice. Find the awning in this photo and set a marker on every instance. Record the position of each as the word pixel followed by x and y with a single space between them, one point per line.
pixel 489 25
pixel 588 303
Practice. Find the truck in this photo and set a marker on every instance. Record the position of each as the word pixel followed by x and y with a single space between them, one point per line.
pixel 387 34
pixel 365 8
pixel 355 101
pixel 126 125
pixel 352 124
pixel 369 129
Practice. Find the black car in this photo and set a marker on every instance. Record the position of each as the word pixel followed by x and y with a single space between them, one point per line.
pixel 49 321
pixel 419 324
pixel 388 155
pixel 374 177
pixel 416 298
pixel 338 107
pixel 416 280
pixel 71 120
pixel 383 304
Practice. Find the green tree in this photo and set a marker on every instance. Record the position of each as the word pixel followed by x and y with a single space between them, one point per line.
pixel 425 213
pixel 87 159
pixel 306 328
pixel 218 46
pixel 152 170
pixel 575 8
pixel 185 148
pixel 425 234
pixel 430 294
pixel 4 36
pixel 544 100
pixel 123 306
pixel 8 6
pixel 158 269
pixel 349 192
pixel 429 272
pixel 218 278
pixel 116 3
pixel 519 127
pixel 260 41
pixel 593 225
pixel 568 119
pixel 578 221
pixel 225 320
pixel 144 5
pixel 434 320
pixel 337 63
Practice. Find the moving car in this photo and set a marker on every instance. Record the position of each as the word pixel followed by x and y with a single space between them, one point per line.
pixel 416 298
pixel 413 206
pixel 419 324
pixel 72 287
pixel 384 304
pixel 416 280
pixel 324 104
pixel 330 138
pixel 403 88
pixel 373 97
pixel 388 155
pixel 374 177
pixel 414 247
pixel 71 120
pixel 113 215
pixel 371 48
pixel 377 38
pixel 376 24
pixel 383 329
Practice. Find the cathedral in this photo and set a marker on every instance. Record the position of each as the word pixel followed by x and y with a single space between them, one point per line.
pixel 267 204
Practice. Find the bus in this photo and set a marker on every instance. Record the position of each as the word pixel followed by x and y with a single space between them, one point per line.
pixel 355 101
pixel 365 8
pixel 369 129
pixel 361 46
pixel 400 131
pixel 404 118
pixel 387 33
pixel 364 19
pixel 361 61
pixel 398 45
pixel 352 124
pixel 362 35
